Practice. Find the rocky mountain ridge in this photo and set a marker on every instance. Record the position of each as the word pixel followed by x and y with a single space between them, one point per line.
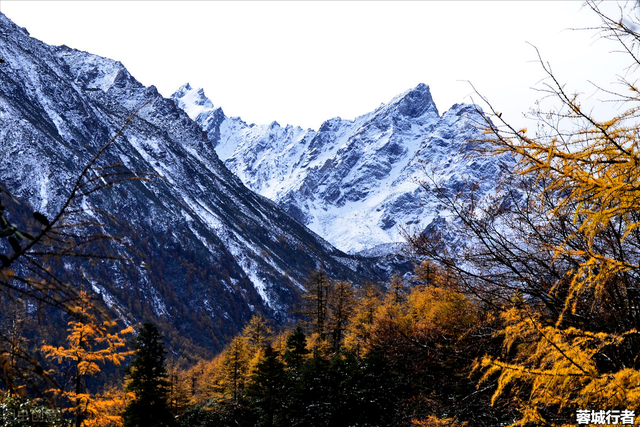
pixel 356 182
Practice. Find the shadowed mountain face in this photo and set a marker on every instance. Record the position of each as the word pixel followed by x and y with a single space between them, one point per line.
pixel 355 182
pixel 207 252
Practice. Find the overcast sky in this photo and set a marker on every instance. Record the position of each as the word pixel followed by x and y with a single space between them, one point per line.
pixel 304 62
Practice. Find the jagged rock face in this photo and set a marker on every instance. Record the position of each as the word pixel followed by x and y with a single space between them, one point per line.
pixel 355 182
pixel 213 252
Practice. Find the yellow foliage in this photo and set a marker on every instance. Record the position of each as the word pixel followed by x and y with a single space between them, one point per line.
pixel 207 381
pixel 591 170
pixel 256 334
pixel 235 367
pixel 447 310
pixel 425 314
pixel 279 342
pixel 318 343
pixel 105 409
pixel 226 375
pixel 559 367
pixel 90 343
pixel 360 325
pixel 181 386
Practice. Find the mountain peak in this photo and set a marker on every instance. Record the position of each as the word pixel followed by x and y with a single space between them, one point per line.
pixel 182 90
pixel 415 102
pixel 192 101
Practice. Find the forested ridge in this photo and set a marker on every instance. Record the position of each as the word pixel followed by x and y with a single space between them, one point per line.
pixel 523 308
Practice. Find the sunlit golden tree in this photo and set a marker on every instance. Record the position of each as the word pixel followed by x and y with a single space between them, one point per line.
pixel 89 344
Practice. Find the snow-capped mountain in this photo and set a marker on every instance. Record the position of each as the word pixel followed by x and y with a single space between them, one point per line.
pixel 354 182
pixel 212 251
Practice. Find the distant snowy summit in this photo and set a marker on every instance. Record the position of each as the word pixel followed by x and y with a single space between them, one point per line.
pixel 354 182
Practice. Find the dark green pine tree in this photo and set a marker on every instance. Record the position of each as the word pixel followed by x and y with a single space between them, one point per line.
pixel 294 355
pixel 148 382
pixel 268 390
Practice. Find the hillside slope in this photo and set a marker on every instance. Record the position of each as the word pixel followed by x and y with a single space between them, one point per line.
pixel 209 252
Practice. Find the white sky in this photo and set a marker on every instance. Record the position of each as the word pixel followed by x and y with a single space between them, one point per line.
pixel 304 62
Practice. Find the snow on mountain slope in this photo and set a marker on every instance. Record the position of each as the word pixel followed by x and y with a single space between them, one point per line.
pixel 354 182
pixel 213 252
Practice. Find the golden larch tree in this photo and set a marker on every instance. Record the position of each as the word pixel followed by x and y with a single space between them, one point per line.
pixel 585 354
pixel 89 343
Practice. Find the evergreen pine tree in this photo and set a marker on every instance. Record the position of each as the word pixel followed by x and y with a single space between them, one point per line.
pixel 148 381
pixel 296 352
pixel 268 389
